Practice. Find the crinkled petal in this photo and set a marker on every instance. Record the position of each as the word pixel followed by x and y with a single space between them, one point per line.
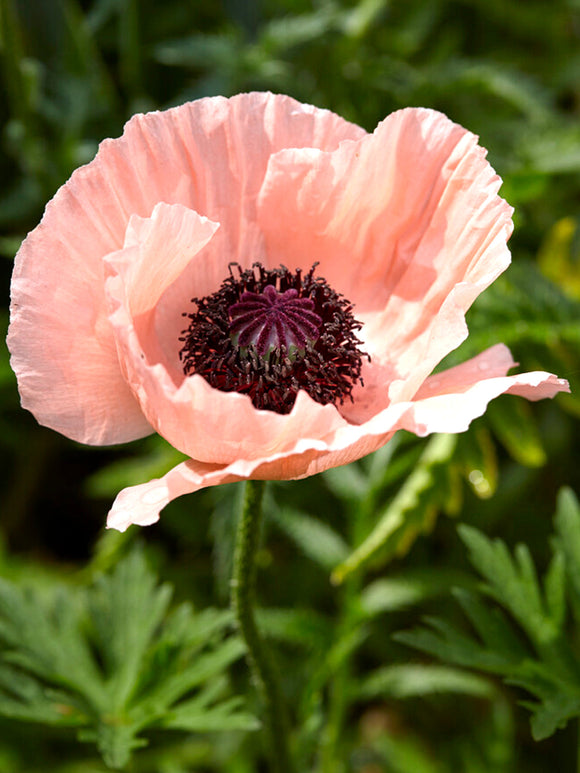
pixel 62 350
pixel 405 222
pixel 454 411
pixel 141 504
pixel 165 245
pixel 210 156
pixel 157 251
pixel 493 362
pixel 448 402
pixel 202 422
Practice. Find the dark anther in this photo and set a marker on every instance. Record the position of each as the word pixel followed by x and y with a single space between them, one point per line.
pixel 268 333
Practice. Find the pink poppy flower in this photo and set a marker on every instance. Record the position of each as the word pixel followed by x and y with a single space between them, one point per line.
pixel 404 223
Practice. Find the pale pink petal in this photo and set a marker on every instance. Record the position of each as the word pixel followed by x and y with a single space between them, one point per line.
pixel 447 404
pixel 537 385
pixel 156 253
pixel 405 222
pixel 223 428
pixel 204 423
pixel 210 425
pixel 141 504
pixel 166 243
pixel 454 411
pixel 495 361
pixel 62 350
pixel 210 156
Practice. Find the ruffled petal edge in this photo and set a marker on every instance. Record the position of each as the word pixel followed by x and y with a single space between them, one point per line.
pixel 446 404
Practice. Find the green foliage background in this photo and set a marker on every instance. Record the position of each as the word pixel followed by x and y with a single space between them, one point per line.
pixel 72 73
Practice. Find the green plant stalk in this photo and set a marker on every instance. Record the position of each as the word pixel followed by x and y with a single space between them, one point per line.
pixel 258 655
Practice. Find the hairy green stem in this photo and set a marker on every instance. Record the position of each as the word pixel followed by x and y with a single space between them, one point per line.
pixel 258 655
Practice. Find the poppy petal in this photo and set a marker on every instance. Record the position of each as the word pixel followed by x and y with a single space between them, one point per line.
pixel 448 402
pixel 406 222
pixel 210 156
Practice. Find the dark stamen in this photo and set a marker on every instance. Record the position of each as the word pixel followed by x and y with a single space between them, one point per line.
pixel 268 333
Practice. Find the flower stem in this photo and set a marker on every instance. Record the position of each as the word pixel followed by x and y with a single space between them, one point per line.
pixel 258 655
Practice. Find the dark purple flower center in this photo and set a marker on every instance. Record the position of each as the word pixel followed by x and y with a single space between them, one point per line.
pixel 271 320
pixel 269 333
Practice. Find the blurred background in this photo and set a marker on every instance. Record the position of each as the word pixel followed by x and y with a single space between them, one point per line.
pixel 72 73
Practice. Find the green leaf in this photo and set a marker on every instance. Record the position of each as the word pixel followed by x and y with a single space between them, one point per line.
pixel 411 513
pixel 194 716
pixel 402 754
pixel 391 463
pixel 514 583
pixel 23 697
pixel 493 627
pixel 358 21
pixel 296 30
pixel 559 699
pixel 415 680
pixel 485 77
pixel 567 523
pixel 330 660
pixel 347 482
pixel 299 627
pixel 198 50
pixel 452 645
pixel 126 609
pixel 45 637
pixel 556 150
pixel 545 666
pixel 182 680
pixel 114 660
pixel 389 594
pixel 315 538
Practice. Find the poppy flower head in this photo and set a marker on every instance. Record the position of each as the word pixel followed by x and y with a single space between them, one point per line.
pixel 269 333
pixel 372 248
